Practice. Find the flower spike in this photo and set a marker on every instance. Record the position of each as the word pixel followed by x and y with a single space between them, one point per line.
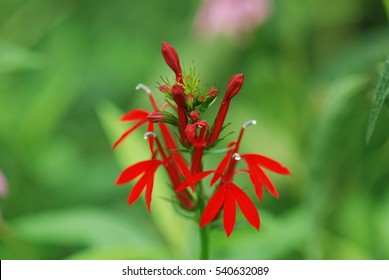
pixel 186 98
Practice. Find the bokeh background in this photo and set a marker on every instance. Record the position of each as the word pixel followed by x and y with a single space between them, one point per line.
pixel 68 70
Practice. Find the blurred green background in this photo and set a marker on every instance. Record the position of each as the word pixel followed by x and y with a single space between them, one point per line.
pixel 68 70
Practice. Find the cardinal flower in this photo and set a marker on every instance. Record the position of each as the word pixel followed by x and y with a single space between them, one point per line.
pixel 228 193
pixel 147 168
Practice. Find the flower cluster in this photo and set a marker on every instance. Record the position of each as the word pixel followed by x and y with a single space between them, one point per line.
pixel 186 100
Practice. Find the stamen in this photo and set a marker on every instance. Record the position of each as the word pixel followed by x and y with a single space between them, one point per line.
pixel 149 134
pixel 144 88
pixel 236 156
pixel 248 123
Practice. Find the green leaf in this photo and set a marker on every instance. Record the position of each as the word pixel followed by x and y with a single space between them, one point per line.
pixel 380 94
pixel 85 226
pixel 386 3
pixel 15 57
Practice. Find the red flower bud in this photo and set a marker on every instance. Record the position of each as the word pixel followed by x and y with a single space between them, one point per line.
pixel 155 117
pixel 164 88
pixel 234 85
pixel 212 93
pixel 178 95
pixel 171 57
pixel 194 116
pixel 179 98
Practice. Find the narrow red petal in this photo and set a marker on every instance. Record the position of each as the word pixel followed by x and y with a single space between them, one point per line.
pixel 267 163
pixel 150 184
pixel 128 132
pixel 167 136
pixel 192 180
pixel 255 178
pixel 150 128
pixel 229 211
pixel 213 206
pixel 222 165
pixel 133 171
pixel 268 183
pixel 181 165
pixel 247 207
pixel 134 115
pixel 137 190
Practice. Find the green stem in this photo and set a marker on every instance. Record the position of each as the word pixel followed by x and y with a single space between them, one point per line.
pixel 204 231
pixel 204 236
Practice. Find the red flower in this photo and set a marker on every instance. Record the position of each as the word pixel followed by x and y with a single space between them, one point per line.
pixel 226 197
pixel 140 116
pixel 227 194
pixel 258 177
pixel 148 169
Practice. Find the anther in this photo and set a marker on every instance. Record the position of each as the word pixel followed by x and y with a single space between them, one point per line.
pixel 149 134
pixel 248 123
pixel 236 156
pixel 143 87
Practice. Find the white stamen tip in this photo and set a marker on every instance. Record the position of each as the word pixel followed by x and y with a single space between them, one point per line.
pixel 149 134
pixel 236 156
pixel 143 87
pixel 248 123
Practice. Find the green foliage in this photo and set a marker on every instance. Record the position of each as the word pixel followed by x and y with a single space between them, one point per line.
pixel 68 71
pixel 381 93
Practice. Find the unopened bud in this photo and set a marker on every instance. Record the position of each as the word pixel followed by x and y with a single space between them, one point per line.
pixel 165 88
pixel 178 95
pixel 171 57
pixel 234 85
pixel 194 116
pixel 155 117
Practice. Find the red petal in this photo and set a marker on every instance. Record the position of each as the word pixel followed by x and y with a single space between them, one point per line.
pixel 133 171
pixel 255 178
pixel 229 211
pixel 150 128
pixel 213 206
pixel 128 132
pixel 268 184
pixel 222 165
pixel 193 180
pixel 247 206
pixel 137 190
pixel 179 162
pixel 134 115
pixel 267 163
pixel 167 137
pixel 150 184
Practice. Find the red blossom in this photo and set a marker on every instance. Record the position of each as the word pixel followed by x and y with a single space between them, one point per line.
pixel 140 116
pixel 225 198
pixel 148 169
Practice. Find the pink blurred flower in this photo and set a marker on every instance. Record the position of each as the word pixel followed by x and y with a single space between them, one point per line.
pixel 231 17
pixel 3 191
pixel 3 185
